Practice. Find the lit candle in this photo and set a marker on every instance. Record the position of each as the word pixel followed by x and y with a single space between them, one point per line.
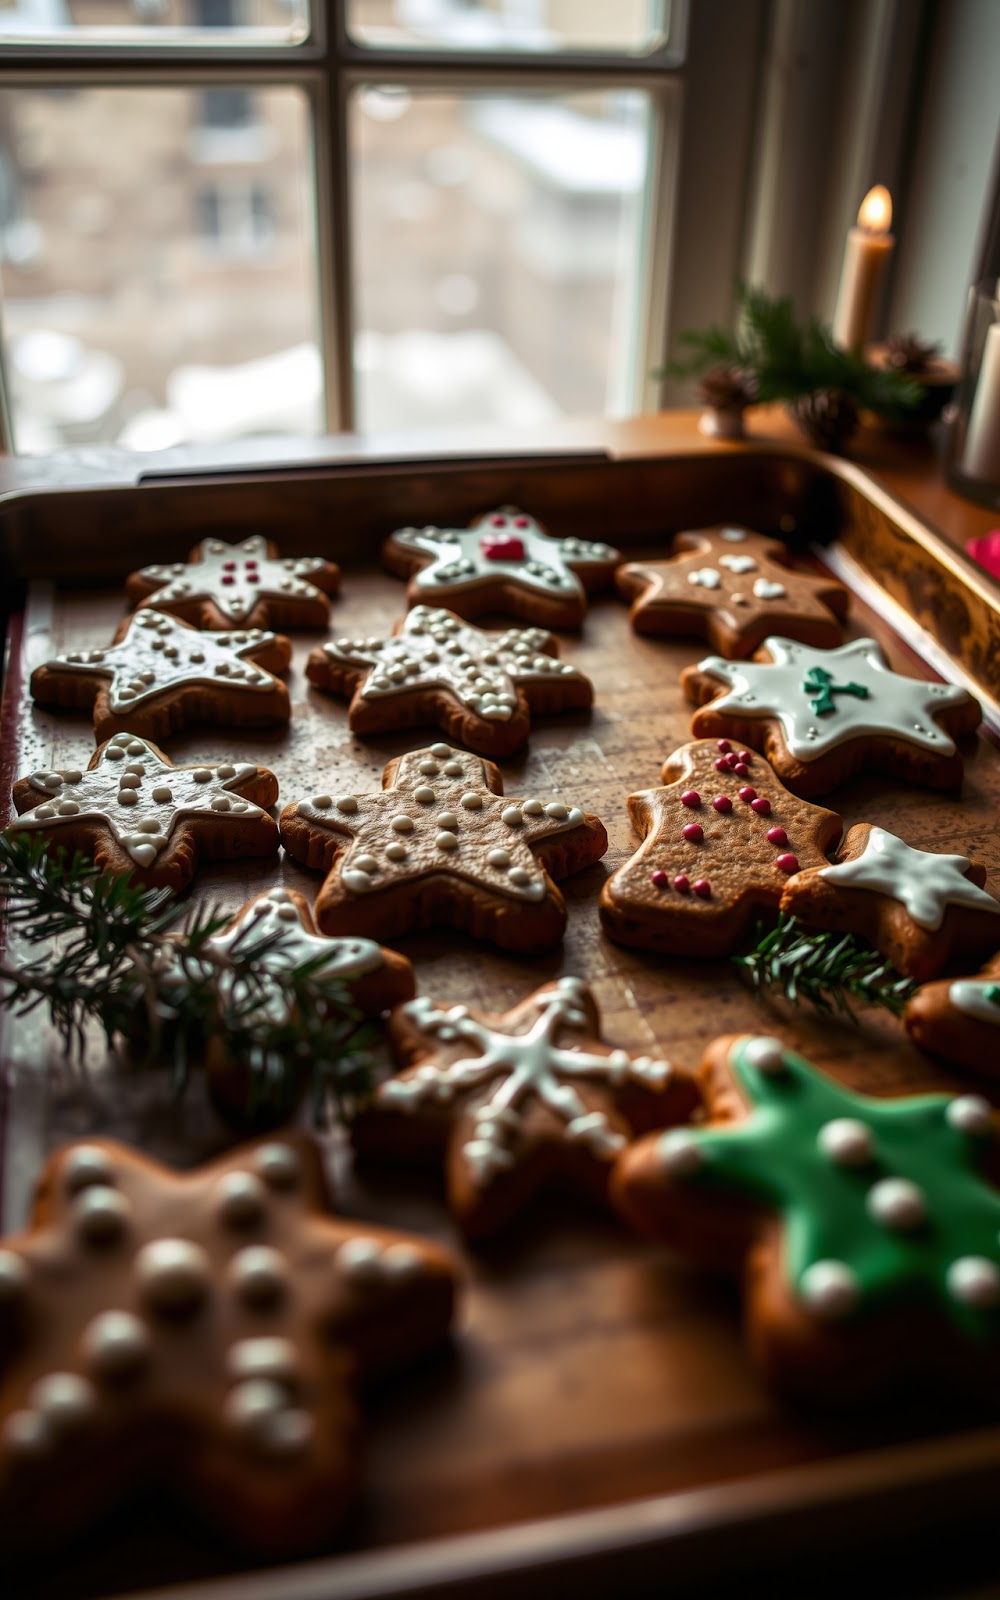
pixel 869 246
pixel 981 455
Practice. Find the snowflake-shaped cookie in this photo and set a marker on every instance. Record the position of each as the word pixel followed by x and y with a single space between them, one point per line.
pixel 822 715
pixel 161 674
pixel 503 562
pixel 238 586
pixel 518 1101
pixel 134 811
pixel 203 1331
pixel 442 845
pixel 869 1231
pixel 478 687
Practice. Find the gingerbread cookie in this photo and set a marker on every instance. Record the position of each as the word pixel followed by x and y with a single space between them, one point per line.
pixel 732 588
pixel 201 1333
pixel 241 585
pixel 160 675
pixel 958 1019
pixel 867 1232
pixel 478 687
pixel 918 908
pixel 821 716
pixel 138 814
pixel 441 845
pixel 503 562
pixel 515 1103
pixel 719 843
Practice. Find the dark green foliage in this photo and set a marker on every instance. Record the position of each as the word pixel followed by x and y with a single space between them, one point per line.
pixel 832 972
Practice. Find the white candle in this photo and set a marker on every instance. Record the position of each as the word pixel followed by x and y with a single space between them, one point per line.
pixel 981 455
pixel 866 255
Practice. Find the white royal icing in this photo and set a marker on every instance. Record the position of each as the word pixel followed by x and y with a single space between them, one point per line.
pixel 738 563
pixel 546 565
pixel 924 882
pixel 437 651
pixel 704 578
pixel 765 589
pixel 972 996
pixel 160 653
pixel 517 1068
pixel 124 791
pixel 892 704
pixel 235 577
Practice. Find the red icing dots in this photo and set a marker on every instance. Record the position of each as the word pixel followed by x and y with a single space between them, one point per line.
pixel 761 805
pixel 723 745
pixel 703 887
pixel 251 565
pixel 745 756
pixel 747 792
pixel 741 769
pixel 787 862
pixel 227 577
pixel 682 882
pixel 722 802
pixel 658 877
pixel 693 832
pixel 722 765
pixel 777 836
pixel 691 798
pixel 253 577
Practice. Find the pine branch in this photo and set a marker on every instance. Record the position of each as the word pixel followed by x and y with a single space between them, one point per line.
pixel 832 972
pixel 145 969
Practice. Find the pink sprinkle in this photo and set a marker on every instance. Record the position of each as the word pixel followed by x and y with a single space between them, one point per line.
pixel 777 836
pixel 693 832
pixel 251 565
pixel 747 792
pixel 227 578
pixel 787 862
pixel 253 577
pixel 658 877
pixel 723 745
pixel 229 566
pixel 722 765
pixel 722 802
pixel 741 769
pixel 682 882
pixel 761 805
pixel 746 756
pixel 520 522
pixel 498 522
pixel 691 797
pixel 703 887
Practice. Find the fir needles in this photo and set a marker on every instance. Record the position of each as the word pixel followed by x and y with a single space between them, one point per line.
pixel 832 972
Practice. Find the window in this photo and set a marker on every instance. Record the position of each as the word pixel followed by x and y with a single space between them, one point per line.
pixel 452 211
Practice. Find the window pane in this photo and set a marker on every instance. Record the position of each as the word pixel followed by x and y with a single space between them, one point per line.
pixel 155 21
pixel 496 253
pixel 629 26
pixel 158 265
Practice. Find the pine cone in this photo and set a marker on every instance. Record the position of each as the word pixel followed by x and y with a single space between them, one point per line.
pixel 905 352
pixel 727 388
pixel 828 417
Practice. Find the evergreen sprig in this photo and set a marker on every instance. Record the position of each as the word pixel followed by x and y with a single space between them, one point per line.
pixel 789 360
pixel 832 972
pixel 144 967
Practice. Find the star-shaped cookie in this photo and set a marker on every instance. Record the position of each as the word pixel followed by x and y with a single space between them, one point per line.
pixel 241 585
pixel 958 1019
pixel 161 674
pixel 733 588
pixel 199 1333
pixel 719 843
pixel 478 687
pixel 516 1103
pixel 441 845
pixel 821 716
pixel 137 813
pixel 917 907
pixel 867 1232
pixel 503 562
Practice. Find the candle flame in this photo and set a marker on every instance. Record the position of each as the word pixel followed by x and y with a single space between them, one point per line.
pixel 875 214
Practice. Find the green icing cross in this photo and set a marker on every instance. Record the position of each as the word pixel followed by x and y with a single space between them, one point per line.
pixel 820 683
pixel 775 1157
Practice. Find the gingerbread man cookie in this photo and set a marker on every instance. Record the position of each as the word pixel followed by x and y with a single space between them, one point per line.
pixel 503 562
pixel 918 908
pixel 441 845
pixel 518 1102
pixel 160 675
pixel 719 843
pixel 732 588
pixel 478 687
pixel 201 1333
pixel 958 1019
pixel 241 585
pixel 823 715
pixel 138 814
pixel 867 1232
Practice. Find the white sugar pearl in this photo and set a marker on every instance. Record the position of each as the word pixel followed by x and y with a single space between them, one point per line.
pixel 446 841
pixel 424 793
pixel 162 793
pixel 258 1274
pixel 64 1399
pixel 135 747
pixel 271 1357
pixel 767 1055
pixel 453 769
pixel 101 1215
pixel 85 1165
pixel 448 820
pixel 830 1290
pixel 287 914
pixel 970 1113
pixel 401 1261
pixel 287 1433
pixel 896 1203
pixel 13 1277
pixel 143 854
pixel 680 1153
pixel 279 896
pixel 128 797
pixel 532 808
pixel 226 771
pixel 347 804
pixel 68 808
pixel 45 812
pixel 148 826
pixel 252 1403
pixel 73 776
pixel 202 775
pixel 557 811
pixel 365 863
pixel 429 767
pixel 974 1281
pixel 221 802
pixel 520 876
pixel 173 1275
pixel 278 1165
pixel 402 824
pixel 395 852
pixel 360 1260
pixel 440 749
pixel 499 858
pixel 115 1345
pixel 114 753
pixel 241 1198
pixel 472 802
pixel 512 816
pixel 846 1141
